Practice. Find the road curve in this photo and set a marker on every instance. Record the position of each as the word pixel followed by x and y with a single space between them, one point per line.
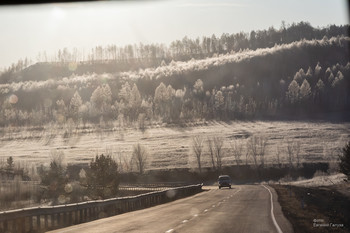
pixel 244 208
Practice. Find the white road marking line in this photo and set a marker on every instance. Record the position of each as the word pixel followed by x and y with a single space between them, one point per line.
pixel 272 215
pixel 196 215
pixel 213 206
pixel 205 210
pixel 184 221
pixel 168 231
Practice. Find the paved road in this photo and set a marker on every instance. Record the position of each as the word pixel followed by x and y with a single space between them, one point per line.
pixel 244 208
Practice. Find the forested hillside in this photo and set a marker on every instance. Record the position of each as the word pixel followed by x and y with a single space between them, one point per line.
pixel 111 58
pixel 223 80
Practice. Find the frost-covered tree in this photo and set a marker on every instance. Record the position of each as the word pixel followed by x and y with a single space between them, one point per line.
pixel 160 94
pixel 101 98
pixel 146 107
pixel 219 102
pixel 320 86
pixel 299 76
pixel 134 102
pixel 75 104
pixel 328 72
pixel 305 90
pixel 97 97
pixel 309 73
pixel 338 79
pixel 330 79
pixel 84 112
pixel 162 97
pixel 199 95
pixel 293 92
pixel 61 110
pixel 125 92
pixel 318 69
pixel 135 97
pixel 170 92
pixel 319 90
pixel 198 87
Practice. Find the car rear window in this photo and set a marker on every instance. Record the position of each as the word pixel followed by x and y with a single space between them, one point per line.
pixel 224 178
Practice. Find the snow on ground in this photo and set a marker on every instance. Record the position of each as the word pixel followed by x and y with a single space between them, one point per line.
pixel 171 147
pixel 324 180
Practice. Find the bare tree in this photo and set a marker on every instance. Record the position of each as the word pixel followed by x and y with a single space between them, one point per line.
pixel 141 121
pixel 237 149
pixel 211 151
pixel 197 145
pixel 140 157
pixel 257 146
pixel 290 153
pixel 218 143
pixel 247 153
pixel 278 153
pixel 297 152
pixel 293 150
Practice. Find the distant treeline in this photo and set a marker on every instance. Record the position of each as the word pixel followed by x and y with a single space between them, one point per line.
pixel 301 78
pixel 111 58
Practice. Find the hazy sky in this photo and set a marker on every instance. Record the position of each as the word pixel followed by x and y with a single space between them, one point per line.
pixel 27 30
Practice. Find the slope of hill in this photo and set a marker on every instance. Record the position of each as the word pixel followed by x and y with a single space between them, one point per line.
pixel 300 77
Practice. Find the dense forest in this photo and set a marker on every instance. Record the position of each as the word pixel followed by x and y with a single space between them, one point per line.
pixel 296 70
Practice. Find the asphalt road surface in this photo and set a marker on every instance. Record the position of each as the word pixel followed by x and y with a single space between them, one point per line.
pixel 244 208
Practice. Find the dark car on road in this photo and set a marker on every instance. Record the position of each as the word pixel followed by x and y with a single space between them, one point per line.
pixel 224 181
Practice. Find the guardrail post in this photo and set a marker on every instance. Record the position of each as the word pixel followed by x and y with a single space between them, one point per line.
pixel 5 223
pixel 38 222
pixel 52 220
pixel 76 217
pixel 64 218
pixel 69 218
pixel 94 215
pixel 85 214
pixel 46 221
pixel 80 216
pixel 30 223
pixel 59 219
pixel 22 225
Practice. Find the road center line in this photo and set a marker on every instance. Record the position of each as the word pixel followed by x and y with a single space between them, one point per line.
pixel 272 215
pixel 168 231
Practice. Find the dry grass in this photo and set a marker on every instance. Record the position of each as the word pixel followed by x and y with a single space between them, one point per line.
pixel 170 147
pixel 18 194
pixel 307 207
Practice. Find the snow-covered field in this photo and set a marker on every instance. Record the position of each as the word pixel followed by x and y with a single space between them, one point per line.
pixel 171 147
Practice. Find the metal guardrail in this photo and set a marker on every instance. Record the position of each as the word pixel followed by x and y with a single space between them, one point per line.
pixel 41 219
